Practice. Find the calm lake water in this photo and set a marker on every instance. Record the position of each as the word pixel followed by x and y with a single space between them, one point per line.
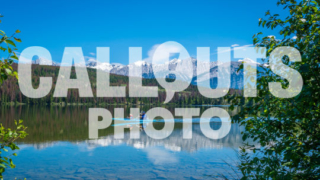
pixel 58 147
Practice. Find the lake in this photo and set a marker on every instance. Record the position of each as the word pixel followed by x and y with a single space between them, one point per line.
pixel 58 147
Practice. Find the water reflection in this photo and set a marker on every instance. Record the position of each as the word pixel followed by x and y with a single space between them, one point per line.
pixel 175 141
pixel 59 147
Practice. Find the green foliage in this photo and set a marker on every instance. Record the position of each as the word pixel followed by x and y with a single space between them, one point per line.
pixel 288 130
pixel 7 137
pixel 7 46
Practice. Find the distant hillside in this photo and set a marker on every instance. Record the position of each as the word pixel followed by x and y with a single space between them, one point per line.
pixel 10 93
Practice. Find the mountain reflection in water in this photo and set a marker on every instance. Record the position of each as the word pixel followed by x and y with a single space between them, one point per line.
pixel 58 147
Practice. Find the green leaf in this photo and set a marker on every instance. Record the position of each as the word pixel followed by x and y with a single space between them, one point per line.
pixel 264 22
pixel 17 39
pixel 14 57
pixel 244 137
pixel 8 71
pixel 10 42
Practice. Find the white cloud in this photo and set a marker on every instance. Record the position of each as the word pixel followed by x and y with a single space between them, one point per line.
pixel 90 59
pixel 243 47
pixel 294 37
pixel 163 54
pixel 160 156
pixel 234 45
pixel 234 48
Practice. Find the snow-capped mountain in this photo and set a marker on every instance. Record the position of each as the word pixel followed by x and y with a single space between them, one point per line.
pixel 45 62
pixel 104 66
pixel 148 70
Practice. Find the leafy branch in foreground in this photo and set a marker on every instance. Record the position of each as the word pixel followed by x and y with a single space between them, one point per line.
pixel 7 137
pixel 287 129
pixel 7 45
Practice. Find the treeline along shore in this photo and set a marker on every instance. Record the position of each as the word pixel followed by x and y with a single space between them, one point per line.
pixel 10 93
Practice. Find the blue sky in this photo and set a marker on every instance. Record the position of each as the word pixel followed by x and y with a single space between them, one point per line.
pixel 123 24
